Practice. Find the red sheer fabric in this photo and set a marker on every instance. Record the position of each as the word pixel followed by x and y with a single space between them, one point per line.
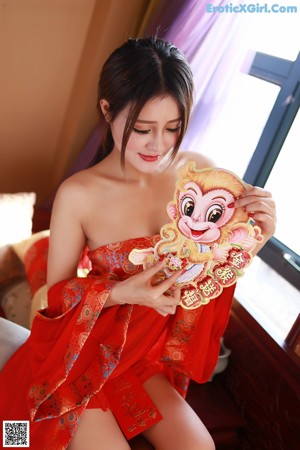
pixel 82 355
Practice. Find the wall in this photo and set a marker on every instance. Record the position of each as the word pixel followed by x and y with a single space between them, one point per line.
pixel 51 54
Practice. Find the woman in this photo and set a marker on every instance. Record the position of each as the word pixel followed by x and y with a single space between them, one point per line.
pixel 98 352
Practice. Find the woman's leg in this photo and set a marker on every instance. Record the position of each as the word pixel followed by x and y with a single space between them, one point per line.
pixel 98 430
pixel 180 427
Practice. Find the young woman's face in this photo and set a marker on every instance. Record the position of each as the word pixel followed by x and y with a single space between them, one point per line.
pixel 154 134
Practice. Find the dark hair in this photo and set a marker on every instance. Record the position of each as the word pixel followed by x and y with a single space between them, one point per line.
pixel 135 73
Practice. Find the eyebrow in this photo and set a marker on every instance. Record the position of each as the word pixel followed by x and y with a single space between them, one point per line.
pixel 219 196
pixel 153 121
pixel 191 189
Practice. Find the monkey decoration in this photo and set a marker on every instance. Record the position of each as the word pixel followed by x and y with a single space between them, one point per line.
pixel 208 238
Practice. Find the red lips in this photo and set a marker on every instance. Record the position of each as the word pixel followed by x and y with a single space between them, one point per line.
pixel 149 158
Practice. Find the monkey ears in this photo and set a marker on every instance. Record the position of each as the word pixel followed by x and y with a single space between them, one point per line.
pixel 172 210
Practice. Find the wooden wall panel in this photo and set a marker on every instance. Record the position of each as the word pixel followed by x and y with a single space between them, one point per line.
pixel 264 381
pixel 40 44
pixel 51 54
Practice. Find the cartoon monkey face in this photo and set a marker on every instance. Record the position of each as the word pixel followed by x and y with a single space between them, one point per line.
pixel 201 215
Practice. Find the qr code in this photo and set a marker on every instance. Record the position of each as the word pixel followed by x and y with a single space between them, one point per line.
pixel 16 433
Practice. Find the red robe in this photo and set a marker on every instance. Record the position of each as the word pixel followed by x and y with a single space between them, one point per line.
pixel 80 355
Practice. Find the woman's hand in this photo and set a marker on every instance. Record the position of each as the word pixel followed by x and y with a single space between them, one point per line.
pixel 139 290
pixel 260 205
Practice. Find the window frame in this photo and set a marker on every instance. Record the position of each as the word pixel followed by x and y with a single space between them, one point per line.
pixel 285 74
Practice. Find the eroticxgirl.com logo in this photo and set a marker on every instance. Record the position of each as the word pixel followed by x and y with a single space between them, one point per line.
pixel 251 8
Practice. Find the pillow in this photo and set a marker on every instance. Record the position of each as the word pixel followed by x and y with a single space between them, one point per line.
pixel 24 289
pixel 12 336
pixel 14 288
pixel 21 248
pixel 33 253
pixel 16 302
pixel 16 212
pixel 11 266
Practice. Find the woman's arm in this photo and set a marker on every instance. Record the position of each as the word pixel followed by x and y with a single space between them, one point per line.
pixel 67 238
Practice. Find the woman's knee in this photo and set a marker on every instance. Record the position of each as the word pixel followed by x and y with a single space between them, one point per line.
pixel 196 440
pixel 208 443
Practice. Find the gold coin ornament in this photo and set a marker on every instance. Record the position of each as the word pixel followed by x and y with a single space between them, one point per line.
pixel 208 239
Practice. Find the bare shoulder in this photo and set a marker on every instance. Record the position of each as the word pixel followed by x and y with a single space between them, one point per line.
pixel 72 197
pixel 77 186
pixel 201 161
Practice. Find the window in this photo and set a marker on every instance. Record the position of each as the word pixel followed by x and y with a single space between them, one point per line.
pixel 274 162
pixel 256 134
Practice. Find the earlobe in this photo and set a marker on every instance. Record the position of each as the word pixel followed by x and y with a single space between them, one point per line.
pixel 105 107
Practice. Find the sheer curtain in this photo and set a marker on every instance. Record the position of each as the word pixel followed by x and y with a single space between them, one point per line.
pixel 215 44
